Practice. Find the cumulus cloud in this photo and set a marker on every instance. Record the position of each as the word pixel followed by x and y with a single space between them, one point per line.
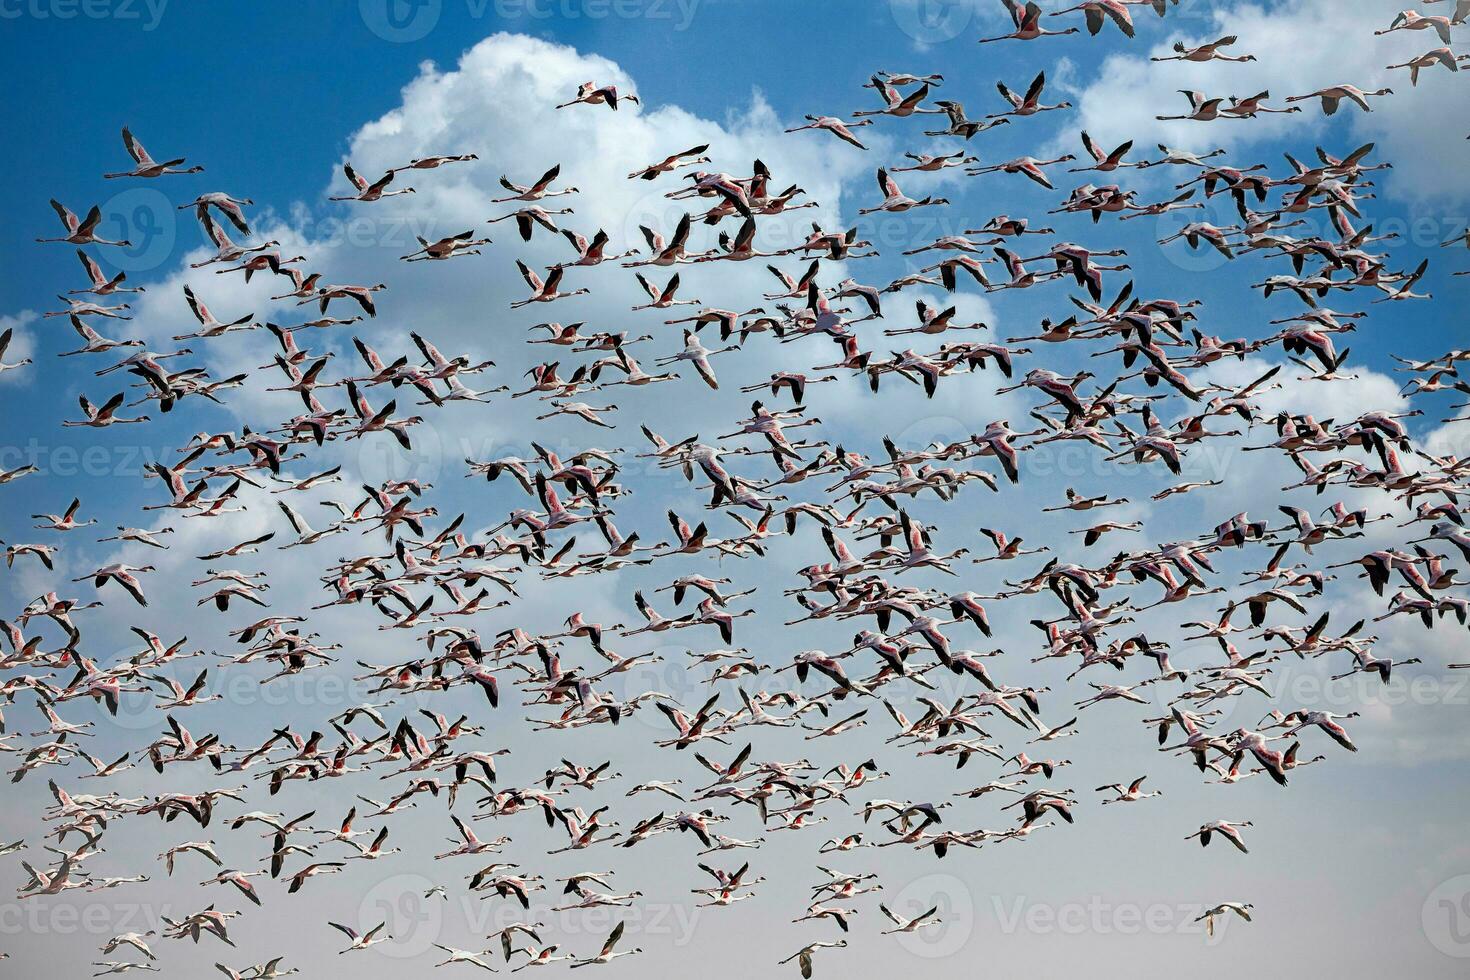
pixel 497 102
pixel 1129 91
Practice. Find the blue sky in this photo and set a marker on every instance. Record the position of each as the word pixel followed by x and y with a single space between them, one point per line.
pixel 272 98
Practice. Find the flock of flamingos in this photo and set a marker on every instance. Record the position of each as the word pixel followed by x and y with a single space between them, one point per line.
pixel 431 580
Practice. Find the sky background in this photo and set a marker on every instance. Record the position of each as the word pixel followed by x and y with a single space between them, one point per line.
pixel 1358 867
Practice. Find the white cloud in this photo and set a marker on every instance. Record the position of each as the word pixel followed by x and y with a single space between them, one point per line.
pixel 1129 91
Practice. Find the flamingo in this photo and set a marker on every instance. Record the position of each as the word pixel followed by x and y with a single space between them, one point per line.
pixel 1333 96
pixel 1438 56
pixel 1029 104
pixel 535 192
pixel 226 205
pixel 1026 18
pixel 606 955
pixel 144 165
pixel 1412 20
pixel 894 200
pixel 543 291
pixel 366 192
pixel 590 93
pixel 837 127
pixel 81 232
pixel 1206 52
pixel 363 941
